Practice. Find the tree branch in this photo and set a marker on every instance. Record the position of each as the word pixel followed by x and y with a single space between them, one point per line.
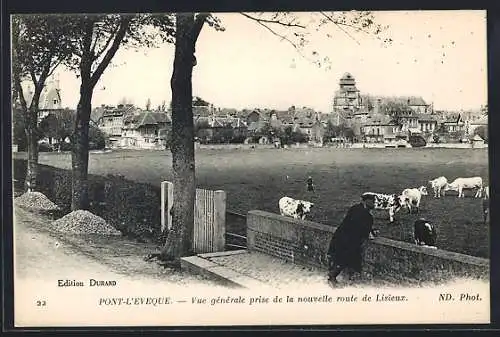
pixel 282 37
pixel 278 22
pixel 342 29
pixel 110 38
pixel 94 45
pixel 55 67
pixel 198 25
pixel 124 24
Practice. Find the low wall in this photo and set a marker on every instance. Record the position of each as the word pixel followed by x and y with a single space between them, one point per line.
pixel 457 146
pixel 429 145
pixel 379 145
pixel 306 243
pixel 248 146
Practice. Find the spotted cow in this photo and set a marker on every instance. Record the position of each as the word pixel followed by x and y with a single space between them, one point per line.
pixel 297 209
pixel 391 202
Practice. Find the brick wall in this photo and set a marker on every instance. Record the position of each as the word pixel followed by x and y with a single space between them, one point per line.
pixel 306 243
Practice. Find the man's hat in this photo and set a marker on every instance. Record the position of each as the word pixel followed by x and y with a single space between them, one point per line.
pixel 365 197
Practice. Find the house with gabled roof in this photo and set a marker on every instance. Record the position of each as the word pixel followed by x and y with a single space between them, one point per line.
pixel 145 129
pixel 111 120
pixel 50 98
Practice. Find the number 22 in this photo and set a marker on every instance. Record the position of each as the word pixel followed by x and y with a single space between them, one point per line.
pixel 41 303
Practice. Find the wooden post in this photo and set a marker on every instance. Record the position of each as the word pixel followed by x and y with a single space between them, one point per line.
pixel 167 196
pixel 219 221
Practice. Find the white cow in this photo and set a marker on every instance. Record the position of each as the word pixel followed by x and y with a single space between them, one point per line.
pixel 413 197
pixel 460 184
pixel 486 192
pixel 297 209
pixel 438 185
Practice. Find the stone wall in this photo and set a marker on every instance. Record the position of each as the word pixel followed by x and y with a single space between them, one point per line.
pixel 306 243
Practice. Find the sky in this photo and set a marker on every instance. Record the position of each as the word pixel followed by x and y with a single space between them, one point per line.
pixel 438 55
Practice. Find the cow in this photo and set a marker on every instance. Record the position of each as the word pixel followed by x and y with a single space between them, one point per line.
pixel 413 197
pixel 297 209
pixel 486 191
pixel 460 184
pixel 392 202
pixel 425 233
pixel 438 185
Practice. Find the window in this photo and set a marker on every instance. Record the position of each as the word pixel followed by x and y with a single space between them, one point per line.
pixel 55 101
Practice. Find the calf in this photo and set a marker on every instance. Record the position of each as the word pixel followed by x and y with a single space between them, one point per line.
pixel 438 185
pixel 413 197
pixel 392 202
pixel 460 184
pixel 297 209
pixel 425 233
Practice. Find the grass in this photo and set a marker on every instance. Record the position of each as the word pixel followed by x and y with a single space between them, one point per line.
pixel 256 179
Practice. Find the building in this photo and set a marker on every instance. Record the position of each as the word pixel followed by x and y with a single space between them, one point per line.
pixel 347 99
pixel 427 123
pixel 356 110
pixel 145 129
pixel 50 98
pixel 415 103
pixel 380 132
pixel 111 121
pixel 453 124
pixel 317 134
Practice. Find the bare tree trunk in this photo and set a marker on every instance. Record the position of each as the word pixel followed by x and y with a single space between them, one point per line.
pixel 180 237
pixel 80 151
pixel 32 148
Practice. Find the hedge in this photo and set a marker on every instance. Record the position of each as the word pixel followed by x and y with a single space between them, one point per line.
pixel 132 208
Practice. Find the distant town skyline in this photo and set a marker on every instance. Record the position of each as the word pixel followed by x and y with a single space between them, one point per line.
pixel 438 55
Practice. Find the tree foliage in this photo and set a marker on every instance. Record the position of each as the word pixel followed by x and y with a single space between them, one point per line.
pixel 95 40
pixel 39 46
pixel 198 101
pixel 58 125
pixel 482 131
pixel 299 29
pixel 395 110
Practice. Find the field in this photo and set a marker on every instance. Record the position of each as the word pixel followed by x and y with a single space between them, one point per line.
pixel 256 179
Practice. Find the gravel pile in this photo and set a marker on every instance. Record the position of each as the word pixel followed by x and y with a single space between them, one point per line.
pixel 84 222
pixel 37 201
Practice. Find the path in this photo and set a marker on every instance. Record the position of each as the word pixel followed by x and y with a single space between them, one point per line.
pixel 42 256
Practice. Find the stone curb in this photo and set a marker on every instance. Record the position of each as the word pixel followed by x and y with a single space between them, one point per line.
pixel 200 264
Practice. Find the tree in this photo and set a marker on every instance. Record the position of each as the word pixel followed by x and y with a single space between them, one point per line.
pixel 58 125
pixel 198 101
pixel 396 110
pixel 330 131
pixel 96 39
pixel 288 27
pixel 39 45
pixel 482 131
pixel 18 129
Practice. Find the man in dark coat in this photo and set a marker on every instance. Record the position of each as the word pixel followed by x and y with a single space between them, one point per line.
pixel 345 249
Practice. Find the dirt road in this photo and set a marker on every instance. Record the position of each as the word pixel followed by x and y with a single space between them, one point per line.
pixel 47 256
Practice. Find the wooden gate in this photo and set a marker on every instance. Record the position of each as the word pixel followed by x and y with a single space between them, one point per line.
pixel 209 217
